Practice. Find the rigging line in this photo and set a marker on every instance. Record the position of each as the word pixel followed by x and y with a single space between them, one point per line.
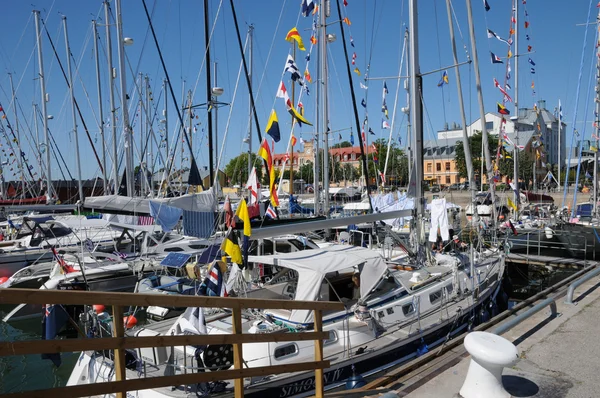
pixel 387 156
pixel 77 68
pixel 257 46
pixel 587 108
pixel 349 72
pixel 18 43
pixel 577 103
pixel 194 167
pixel 437 35
pixel 207 47
pixel 224 140
pixel 87 132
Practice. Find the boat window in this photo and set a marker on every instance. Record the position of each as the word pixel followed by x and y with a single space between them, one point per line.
pixel 174 249
pixel 198 246
pixel 408 309
pixel 435 297
pixel 331 339
pixel 285 351
pixel 283 247
pixel 59 230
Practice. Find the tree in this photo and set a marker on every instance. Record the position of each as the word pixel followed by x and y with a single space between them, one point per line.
pixel 343 144
pixel 237 169
pixel 306 172
pixel 475 142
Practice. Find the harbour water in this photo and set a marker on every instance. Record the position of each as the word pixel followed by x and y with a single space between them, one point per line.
pixel 30 372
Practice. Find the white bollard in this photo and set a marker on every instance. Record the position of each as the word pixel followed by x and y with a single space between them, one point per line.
pixel 490 354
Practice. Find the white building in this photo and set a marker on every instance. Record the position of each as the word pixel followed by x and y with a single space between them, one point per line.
pixel 527 131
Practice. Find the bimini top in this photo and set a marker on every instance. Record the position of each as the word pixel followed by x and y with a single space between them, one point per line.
pixel 313 265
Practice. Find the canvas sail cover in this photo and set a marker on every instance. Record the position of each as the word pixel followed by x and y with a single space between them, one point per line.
pixel 313 265
pixel 200 202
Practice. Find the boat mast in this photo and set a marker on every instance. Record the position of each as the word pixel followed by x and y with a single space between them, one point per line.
pixel 44 105
pixel 111 91
pixel 211 172
pixel 416 109
pixel 127 131
pixel 560 141
pixel 291 182
pixel 515 118
pixel 316 146
pixel 484 137
pixel 19 158
pixel 100 113
pixel 150 138
pixel 465 136
pixel 325 12
pixel 250 37
pixel 37 139
pixel 142 120
pixel 72 94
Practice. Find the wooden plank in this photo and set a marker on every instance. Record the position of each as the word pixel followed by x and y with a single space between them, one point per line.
pixel 118 331
pixel 86 390
pixel 238 359
pixel 36 296
pixel 29 347
pixel 319 392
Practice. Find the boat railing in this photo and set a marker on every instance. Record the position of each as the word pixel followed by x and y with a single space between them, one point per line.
pixel 119 343
pixel 537 246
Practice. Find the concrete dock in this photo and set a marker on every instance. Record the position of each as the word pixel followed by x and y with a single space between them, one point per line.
pixel 559 357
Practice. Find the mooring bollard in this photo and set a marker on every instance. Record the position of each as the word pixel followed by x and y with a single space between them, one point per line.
pixel 490 354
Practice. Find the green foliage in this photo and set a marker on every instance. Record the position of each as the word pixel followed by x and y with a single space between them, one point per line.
pixel 237 169
pixel 343 144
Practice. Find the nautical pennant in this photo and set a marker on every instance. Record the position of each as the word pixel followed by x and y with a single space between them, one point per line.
pixel 290 66
pixel 495 59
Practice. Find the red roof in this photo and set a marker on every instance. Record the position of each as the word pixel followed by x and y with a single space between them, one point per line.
pixel 333 152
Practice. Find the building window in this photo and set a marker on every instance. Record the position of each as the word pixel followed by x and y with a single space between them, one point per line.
pixel 447 179
pixel 345 157
pixel 489 126
pixel 438 167
pixel 353 156
pixel 429 167
pixel 447 166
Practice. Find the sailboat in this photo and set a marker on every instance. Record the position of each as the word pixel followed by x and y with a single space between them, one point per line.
pixel 395 311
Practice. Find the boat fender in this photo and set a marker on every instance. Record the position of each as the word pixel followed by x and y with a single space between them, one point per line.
pixel 355 380
pixel 549 233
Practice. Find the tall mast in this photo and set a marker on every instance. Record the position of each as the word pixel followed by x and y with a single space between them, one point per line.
pixel 111 91
pixel 150 137
pixel 216 109
pixel 465 136
pixel 211 172
pixel 37 138
pixel 515 118
pixel 71 92
pixel 142 121
pixel 166 115
pixel 250 38
pixel 596 121
pixel 416 109
pixel 484 138
pixel 316 146
pixel 560 142
pixel 18 133
pixel 100 113
pixel 325 125
pixel 124 111
pixel 42 79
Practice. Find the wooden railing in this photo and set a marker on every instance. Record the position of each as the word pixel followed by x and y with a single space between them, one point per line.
pixel 119 343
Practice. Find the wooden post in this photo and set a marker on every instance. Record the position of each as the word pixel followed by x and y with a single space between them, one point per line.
pixel 318 315
pixel 119 361
pixel 238 386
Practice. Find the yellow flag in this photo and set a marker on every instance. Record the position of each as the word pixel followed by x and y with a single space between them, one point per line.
pixel 298 116
pixel 292 35
pixel 511 204
pixel 232 248
pixel 242 213
pixel 357 71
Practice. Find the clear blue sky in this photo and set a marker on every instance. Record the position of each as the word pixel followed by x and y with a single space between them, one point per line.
pixel 557 44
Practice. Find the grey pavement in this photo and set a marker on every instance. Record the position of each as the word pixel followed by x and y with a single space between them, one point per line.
pixel 560 357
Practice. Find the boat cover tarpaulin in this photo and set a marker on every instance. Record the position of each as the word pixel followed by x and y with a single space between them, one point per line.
pixel 538 198
pixel 313 265
pixel 202 202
